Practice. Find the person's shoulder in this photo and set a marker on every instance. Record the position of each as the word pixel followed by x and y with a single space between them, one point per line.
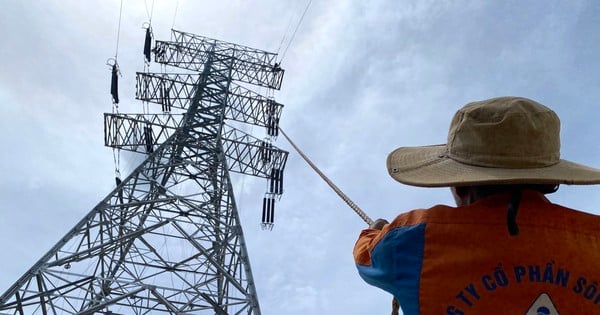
pixel 564 218
pixel 422 215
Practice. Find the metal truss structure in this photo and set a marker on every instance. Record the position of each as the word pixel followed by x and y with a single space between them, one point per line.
pixel 168 239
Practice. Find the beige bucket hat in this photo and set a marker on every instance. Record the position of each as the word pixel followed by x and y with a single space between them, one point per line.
pixel 505 140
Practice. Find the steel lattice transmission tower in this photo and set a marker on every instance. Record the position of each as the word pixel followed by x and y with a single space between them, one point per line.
pixel 168 239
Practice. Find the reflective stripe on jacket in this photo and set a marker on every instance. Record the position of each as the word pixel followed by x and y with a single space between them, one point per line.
pixel 462 260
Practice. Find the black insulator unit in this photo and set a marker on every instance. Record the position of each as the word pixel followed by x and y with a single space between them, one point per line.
pixel 149 140
pixel 264 212
pixel 120 192
pixel 270 152
pixel 114 84
pixel 276 181
pixel 270 125
pixel 148 44
pixel 272 181
pixel 268 213
pixel 280 177
pixel 166 101
pixel 265 151
pixel 271 214
pixel 272 121
pixel 276 127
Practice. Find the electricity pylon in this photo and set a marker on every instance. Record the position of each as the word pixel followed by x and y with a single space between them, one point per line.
pixel 168 239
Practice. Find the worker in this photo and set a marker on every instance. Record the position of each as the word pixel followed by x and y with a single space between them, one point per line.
pixel 505 248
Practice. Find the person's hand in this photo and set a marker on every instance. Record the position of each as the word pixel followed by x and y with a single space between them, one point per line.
pixel 378 224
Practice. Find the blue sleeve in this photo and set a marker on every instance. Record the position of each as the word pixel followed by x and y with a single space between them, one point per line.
pixel 396 262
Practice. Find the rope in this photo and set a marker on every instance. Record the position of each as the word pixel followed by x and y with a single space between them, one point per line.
pixel 295 30
pixel 361 214
pixel 349 202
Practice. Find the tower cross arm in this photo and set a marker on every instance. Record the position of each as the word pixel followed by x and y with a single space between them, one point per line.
pixel 173 90
pixel 189 51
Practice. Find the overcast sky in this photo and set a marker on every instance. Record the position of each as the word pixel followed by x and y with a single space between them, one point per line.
pixel 362 78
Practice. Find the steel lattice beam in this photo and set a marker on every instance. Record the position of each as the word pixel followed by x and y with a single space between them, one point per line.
pixel 174 90
pixel 245 154
pixel 189 51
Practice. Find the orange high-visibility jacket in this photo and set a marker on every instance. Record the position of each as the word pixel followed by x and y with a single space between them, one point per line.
pixel 463 260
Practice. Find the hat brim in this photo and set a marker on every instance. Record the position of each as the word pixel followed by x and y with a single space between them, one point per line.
pixel 429 166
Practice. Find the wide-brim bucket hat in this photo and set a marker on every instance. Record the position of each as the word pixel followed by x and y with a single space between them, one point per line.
pixel 500 141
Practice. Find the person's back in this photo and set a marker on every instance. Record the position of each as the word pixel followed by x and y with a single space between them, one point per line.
pixel 465 260
pixel 509 252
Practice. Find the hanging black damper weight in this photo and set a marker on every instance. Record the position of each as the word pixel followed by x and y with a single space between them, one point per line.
pixel 149 140
pixel 269 151
pixel 276 127
pixel 268 220
pixel 114 83
pixel 280 181
pixel 264 211
pixel 272 211
pixel 272 181
pixel 276 180
pixel 166 100
pixel 272 108
pixel 270 130
pixel 265 153
pixel 268 213
pixel 148 44
pixel 120 193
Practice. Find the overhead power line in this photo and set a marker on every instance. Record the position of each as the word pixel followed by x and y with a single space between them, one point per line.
pixel 119 30
pixel 295 30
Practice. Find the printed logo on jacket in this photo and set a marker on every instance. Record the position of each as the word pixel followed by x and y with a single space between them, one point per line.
pixel 542 306
pixel 507 277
